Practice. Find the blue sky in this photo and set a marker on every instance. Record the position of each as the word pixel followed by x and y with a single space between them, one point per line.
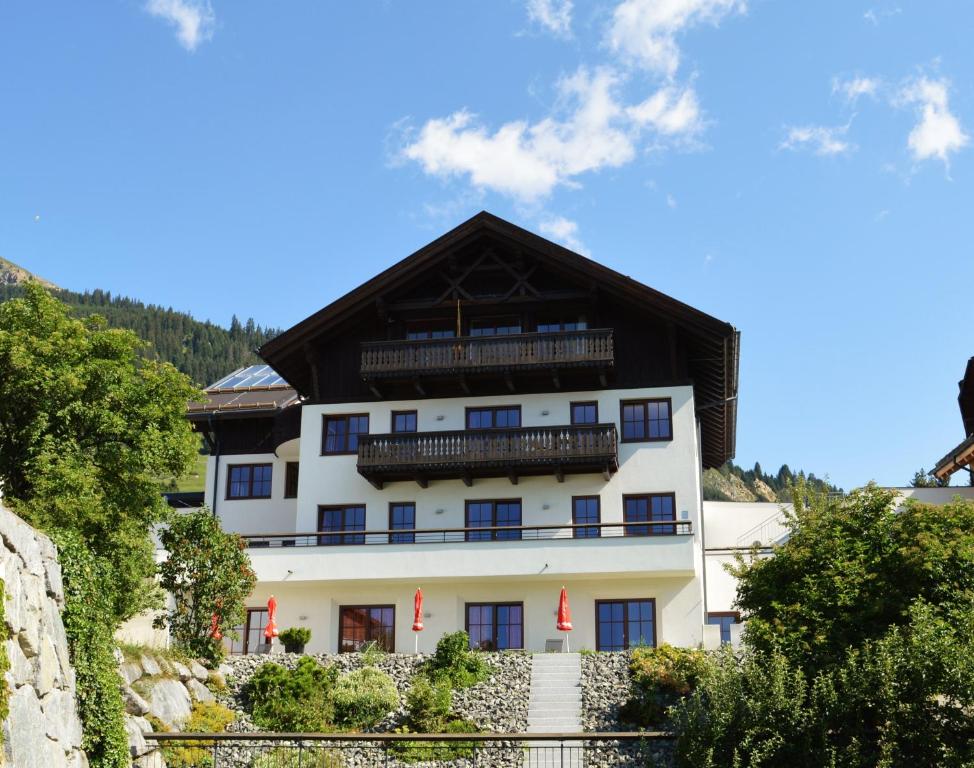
pixel 802 170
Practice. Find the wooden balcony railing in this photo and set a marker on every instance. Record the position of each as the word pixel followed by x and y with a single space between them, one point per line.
pixel 473 354
pixel 499 533
pixel 466 454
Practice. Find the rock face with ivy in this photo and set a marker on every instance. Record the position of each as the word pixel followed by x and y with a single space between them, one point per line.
pixel 41 728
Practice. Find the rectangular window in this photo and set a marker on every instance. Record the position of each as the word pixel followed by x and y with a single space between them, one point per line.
pixel 248 481
pixel 250 634
pixel 585 509
pixel 341 519
pixel 585 413
pixel 404 421
pixel 646 420
pixel 495 326
pixel 494 417
pixel 340 433
pixel 402 516
pixel 553 325
pixel 649 508
pixel 492 514
pixel 624 624
pixel 495 626
pixel 429 329
pixel 291 480
pixel 360 625
pixel 724 620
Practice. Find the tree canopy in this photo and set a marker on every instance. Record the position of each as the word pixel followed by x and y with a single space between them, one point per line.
pixel 88 424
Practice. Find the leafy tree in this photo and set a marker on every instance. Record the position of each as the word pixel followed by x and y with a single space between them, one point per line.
pixel 852 568
pixel 87 424
pixel 207 571
pixel 921 479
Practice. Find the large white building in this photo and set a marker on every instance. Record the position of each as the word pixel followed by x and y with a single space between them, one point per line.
pixel 490 419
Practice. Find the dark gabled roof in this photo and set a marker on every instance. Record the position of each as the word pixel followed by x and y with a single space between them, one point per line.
pixel 715 380
pixel 961 455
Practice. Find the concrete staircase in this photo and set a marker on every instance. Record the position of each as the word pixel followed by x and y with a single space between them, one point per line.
pixel 555 707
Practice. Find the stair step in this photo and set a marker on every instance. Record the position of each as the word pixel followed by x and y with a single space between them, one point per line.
pixel 547 698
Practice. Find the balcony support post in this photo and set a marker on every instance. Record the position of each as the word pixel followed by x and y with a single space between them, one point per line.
pixel 509 380
pixel 560 473
pixel 556 382
pixel 422 481
pixel 464 385
pixel 375 390
pixel 467 479
pixel 418 386
pixel 512 476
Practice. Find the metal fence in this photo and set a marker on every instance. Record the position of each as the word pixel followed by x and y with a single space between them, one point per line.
pixel 466 750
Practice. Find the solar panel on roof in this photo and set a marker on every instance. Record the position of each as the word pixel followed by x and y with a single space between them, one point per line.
pixel 251 376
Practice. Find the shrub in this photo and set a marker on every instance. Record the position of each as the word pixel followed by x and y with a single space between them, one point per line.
pixel 660 677
pixel 428 704
pixel 306 757
pixel 206 717
pixel 372 654
pixel 423 751
pixel 295 637
pixel 454 661
pixel 292 701
pixel 362 698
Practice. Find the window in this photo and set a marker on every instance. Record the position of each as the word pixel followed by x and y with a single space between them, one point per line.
pixel 402 516
pixel 724 619
pixel 404 421
pixel 495 626
pixel 585 413
pixel 624 624
pixel 417 330
pixel 553 325
pixel 291 480
pixel 249 481
pixel 494 417
pixel 649 508
pixel 492 514
pixel 495 326
pixel 250 634
pixel 359 625
pixel 585 509
pixel 646 420
pixel 340 433
pixel 350 518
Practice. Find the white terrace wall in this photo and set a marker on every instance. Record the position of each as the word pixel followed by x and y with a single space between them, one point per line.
pixel 43 729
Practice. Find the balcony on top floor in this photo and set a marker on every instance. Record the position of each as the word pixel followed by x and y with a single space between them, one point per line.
pixel 581 356
pixel 469 454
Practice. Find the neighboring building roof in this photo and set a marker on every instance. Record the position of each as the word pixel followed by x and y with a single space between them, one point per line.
pixel 718 342
pixel 184 499
pixel 963 454
pixel 254 389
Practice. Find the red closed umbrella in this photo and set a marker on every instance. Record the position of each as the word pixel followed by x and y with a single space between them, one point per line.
pixel 418 615
pixel 215 632
pixel 270 631
pixel 564 614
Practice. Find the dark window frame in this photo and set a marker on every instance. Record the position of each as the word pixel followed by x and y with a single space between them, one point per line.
pixel 651 529
pixel 343 608
pixel 580 319
pixel 645 402
pixel 584 404
pixel 344 536
pixel 250 481
pixel 245 632
pixel 392 422
pixel 434 328
pixel 495 606
pixel 498 321
pixel 625 622
pixel 291 471
pixel 326 417
pixel 735 615
pixel 402 538
pixel 587 533
pixel 514 535
pixel 493 409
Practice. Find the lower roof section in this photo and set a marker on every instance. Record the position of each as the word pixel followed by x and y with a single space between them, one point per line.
pixel 960 457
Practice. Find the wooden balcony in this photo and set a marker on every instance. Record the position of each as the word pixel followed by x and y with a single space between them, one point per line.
pixel 469 454
pixel 506 357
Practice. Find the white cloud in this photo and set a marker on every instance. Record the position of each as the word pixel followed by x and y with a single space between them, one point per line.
pixel 938 132
pixel 553 15
pixel 856 87
pixel 590 130
pixel 671 201
pixel 564 231
pixel 645 31
pixel 193 19
pixel 820 139
pixel 874 15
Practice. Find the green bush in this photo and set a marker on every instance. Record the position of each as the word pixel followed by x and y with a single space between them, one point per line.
pixel 428 705
pixel 4 661
pixel 295 636
pixel 424 751
pixel 454 661
pixel 362 698
pixel 660 677
pixel 292 701
pixel 372 654
pixel 206 717
pixel 306 757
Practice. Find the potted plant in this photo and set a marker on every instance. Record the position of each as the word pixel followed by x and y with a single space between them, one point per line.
pixel 295 638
